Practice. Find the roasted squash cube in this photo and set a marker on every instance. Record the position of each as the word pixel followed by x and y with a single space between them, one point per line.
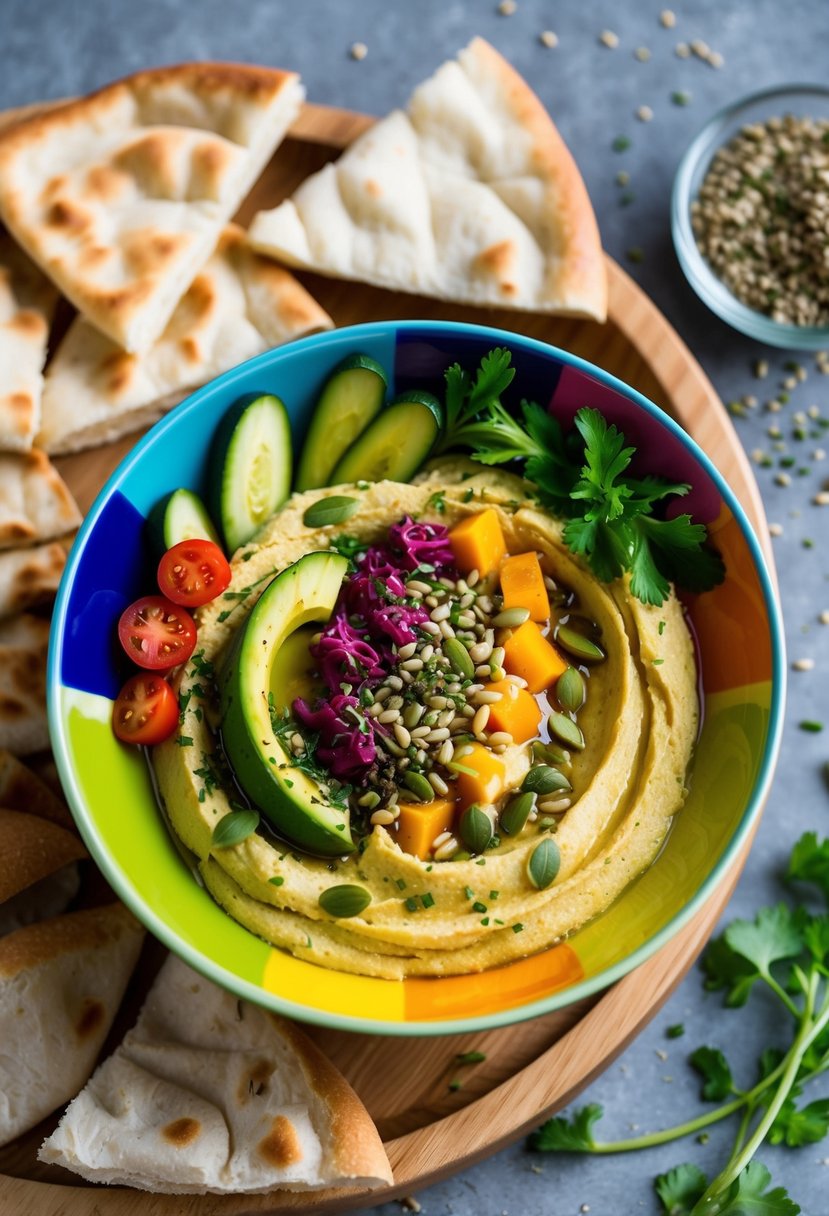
pixel 478 543
pixel 518 713
pixel 480 775
pixel 528 654
pixel 420 824
pixel 522 585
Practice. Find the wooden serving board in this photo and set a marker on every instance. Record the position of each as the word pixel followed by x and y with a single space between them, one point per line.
pixel 532 1068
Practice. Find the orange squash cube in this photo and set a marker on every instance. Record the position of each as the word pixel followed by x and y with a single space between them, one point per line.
pixel 528 654
pixel 480 776
pixel 522 585
pixel 518 712
pixel 420 824
pixel 478 543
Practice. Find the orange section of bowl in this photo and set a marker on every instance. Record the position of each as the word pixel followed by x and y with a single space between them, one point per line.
pixel 731 622
pixel 455 996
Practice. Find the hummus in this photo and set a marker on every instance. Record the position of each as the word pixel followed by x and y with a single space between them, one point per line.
pixel 640 723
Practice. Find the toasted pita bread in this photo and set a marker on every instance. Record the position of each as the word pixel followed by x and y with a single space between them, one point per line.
pixel 238 305
pixel 470 195
pixel 68 975
pixel 121 197
pixel 35 502
pixel 24 641
pixel 210 1094
pixel 38 869
pixel 27 303
pixel 21 789
pixel 32 848
pixel 29 576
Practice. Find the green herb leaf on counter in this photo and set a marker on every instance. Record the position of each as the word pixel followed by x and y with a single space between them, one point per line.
pixel 680 1189
pixel 785 950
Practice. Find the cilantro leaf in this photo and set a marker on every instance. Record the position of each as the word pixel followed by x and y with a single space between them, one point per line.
pixel 680 1189
pixel 748 1195
pixel 770 937
pixel 600 545
pixel 809 862
pixel 568 1135
pixel 713 1067
pixel 796 1126
pixel 727 969
pixel 679 554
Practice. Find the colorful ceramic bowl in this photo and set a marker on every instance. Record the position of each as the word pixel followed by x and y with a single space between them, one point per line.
pixel 109 785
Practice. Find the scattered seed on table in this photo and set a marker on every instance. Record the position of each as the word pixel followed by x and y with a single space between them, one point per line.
pixel 644 113
pixel 680 98
pixel 359 50
pixel 507 7
pixel 821 499
pixel 701 49
pixel 622 177
pixel 620 144
pixel 824 617
pixel 803 665
pixel 642 54
pixel 761 369
pixel 667 18
pixel 715 59
pixel 548 38
pixel 609 39
pixel 682 50
pixel 635 254
pixel 775 529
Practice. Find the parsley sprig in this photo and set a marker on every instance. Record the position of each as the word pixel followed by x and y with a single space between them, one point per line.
pixel 784 950
pixel 584 478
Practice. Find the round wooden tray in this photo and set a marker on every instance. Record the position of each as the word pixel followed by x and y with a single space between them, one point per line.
pixel 532 1068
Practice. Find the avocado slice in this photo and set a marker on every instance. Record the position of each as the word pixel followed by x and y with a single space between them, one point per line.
pixel 296 804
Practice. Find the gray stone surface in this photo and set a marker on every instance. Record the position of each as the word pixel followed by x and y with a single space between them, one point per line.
pixel 60 47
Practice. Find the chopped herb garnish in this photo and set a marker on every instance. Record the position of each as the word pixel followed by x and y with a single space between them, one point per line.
pixel 676 1031
pixel 276 881
pixel 478 906
pixel 184 740
pixel 400 884
pixel 621 143
pixel 411 903
pixel 810 725
pixel 518 928
pixel 454 1086
pixel 428 900
pixel 470 1057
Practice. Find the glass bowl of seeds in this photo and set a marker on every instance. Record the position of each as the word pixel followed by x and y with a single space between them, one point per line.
pixel 750 216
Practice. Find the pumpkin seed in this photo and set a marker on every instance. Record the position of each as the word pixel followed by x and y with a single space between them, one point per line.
pixel 459 659
pixel 331 510
pixel 475 829
pixel 545 780
pixel 516 813
pixel 571 689
pixel 234 827
pixel 544 863
pixel 578 645
pixel 511 618
pixel 549 753
pixel 566 730
pixel 419 786
pixel 347 899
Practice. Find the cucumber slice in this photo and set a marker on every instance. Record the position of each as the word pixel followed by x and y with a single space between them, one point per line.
pixel 250 466
pixel 396 443
pixel 350 398
pixel 180 516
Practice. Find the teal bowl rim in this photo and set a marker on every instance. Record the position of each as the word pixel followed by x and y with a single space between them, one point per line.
pixel 711 289
pixel 557 1000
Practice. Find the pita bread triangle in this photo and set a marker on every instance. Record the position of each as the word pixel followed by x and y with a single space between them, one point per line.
pixel 238 305
pixel 469 195
pixel 68 974
pixel 121 196
pixel 27 302
pixel 210 1094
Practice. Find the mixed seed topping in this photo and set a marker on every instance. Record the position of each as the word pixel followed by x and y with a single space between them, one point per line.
pixel 426 711
pixel 762 218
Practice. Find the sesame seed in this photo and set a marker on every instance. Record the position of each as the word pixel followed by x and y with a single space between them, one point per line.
pixel 644 113
pixel 548 38
pixel 609 39
pixel 359 50
pixel 803 665
pixel 667 18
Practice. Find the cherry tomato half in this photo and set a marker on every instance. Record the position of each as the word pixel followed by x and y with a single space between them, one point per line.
pixel 193 572
pixel 156 633
pixel 146 710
